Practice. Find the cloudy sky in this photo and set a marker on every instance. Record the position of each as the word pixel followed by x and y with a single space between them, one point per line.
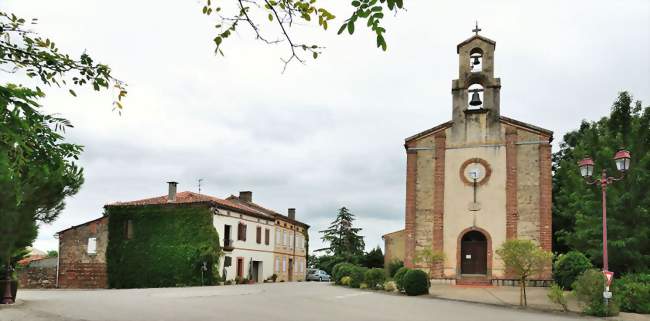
pixel 329 133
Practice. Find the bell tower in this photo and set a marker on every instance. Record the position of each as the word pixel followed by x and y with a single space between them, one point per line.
pixel 475 93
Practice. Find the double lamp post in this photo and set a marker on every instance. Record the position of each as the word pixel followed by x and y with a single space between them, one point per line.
pixel 622 160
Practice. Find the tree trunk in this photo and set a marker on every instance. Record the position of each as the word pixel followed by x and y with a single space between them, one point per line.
pixel 521 293
pixel 523 283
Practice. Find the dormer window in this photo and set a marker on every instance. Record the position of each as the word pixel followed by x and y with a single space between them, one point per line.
pixel 476 60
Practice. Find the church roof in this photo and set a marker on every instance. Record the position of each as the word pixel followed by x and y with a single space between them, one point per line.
pixel 430 131
pixel 503 119
pixel 490 41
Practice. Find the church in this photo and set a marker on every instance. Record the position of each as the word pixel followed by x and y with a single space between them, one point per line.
pixel 475 181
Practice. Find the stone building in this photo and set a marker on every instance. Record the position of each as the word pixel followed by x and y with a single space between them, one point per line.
pixel 82 255
pixel 477 180
pixel 247 232
pixel 394 247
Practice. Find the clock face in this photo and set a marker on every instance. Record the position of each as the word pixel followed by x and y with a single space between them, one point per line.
pixel 475 170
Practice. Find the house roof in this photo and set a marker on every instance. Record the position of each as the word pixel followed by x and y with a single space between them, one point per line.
pixel 188 197
pixel 468 40
pixel 231 203
pixel 264 210
pixel 391 233
pixel 82 224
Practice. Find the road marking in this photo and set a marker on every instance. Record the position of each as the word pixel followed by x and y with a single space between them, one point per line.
pixel 351 295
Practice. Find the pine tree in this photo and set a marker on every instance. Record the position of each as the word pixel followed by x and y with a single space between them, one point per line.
pixel 343 238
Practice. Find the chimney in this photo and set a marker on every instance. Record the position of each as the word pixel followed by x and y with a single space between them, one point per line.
pixel 171 196
pixel 246 196
pixel 292 213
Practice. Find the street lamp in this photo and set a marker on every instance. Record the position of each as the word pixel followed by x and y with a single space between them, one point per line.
pixel 622 159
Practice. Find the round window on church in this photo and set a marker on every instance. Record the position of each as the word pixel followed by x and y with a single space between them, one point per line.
pixel 475 170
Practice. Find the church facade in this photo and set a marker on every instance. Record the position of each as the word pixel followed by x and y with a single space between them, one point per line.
pixel 477 180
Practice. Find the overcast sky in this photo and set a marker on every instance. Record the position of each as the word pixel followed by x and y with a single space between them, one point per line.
pixel 329 133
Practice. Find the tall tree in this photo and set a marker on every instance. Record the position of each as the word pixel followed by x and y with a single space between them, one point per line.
pixel 37 168
pixel 374 258
pixel 342 237
pixel 577 207
pixel 285 15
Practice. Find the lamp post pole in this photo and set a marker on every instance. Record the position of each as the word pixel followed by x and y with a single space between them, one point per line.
pixel 622 160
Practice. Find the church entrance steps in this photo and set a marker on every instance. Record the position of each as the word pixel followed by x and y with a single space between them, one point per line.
pixel 473 280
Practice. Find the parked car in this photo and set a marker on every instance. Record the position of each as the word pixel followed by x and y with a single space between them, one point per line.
pixel 318 275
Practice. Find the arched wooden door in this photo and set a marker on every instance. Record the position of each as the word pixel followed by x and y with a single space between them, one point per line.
pixel 473 253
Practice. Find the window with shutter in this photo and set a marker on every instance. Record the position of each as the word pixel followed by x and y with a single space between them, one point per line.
pixel 284 264
pixel 241 232
pixel 267 236
pixel 258 235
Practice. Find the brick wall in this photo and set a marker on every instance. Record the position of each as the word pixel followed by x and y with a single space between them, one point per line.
pixel 439 198
pixel 411 173
pixel 77 267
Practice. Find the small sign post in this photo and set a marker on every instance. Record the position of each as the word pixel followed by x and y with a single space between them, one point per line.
pixel 609 275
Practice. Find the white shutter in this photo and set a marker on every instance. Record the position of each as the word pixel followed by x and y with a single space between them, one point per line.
pixel 284 264
pixel 92 245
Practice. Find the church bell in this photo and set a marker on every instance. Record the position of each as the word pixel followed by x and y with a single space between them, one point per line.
pixel 476 61
pixel 476 100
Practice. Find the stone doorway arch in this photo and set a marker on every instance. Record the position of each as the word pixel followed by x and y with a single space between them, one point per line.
pixel 474 253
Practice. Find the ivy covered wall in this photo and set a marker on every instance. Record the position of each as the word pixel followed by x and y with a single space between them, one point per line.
pixel 167 246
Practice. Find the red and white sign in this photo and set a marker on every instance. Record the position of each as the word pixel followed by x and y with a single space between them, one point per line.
pixel 609 275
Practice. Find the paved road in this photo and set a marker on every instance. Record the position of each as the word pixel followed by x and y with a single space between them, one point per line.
pixel 266 302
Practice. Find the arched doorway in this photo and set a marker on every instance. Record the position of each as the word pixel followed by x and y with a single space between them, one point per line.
pixel 473 251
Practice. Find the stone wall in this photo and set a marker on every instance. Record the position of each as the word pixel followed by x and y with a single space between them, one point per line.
pixel 394 247
pixel 77 267
pixel 37 278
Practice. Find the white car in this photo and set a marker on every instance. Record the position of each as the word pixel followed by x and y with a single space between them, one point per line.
pixel 318 275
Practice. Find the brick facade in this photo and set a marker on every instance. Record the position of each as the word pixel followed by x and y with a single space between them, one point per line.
pixel 511 183
pixel 411 173
pixel 77 267
pixel 439 198
pixel 545 200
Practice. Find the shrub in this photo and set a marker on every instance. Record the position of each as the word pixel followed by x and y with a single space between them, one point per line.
pixel 632 292
pixel 416 282
pixel 393 266
pixel 568 267
pixel 389 286
pixel 589 287
pixel 357 276
pixel 556 295
pixel 375 278
pixel 274 277
pixel 363 285
pixel 399 278
pixel 342 269
pixel 346 280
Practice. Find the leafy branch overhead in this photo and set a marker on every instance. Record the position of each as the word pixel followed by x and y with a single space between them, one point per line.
pixel 23 50
pixel 284 13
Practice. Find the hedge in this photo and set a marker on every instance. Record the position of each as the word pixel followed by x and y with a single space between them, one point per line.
pixel 375 278
pixel 568 267
pixel 588 288
pixel 341 270
pixel 399 277
pixel 169 245
pixel 416 282
pixel 357 276
pixel 632 291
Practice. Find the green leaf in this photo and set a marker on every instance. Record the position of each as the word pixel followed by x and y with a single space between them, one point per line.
pixel 73 93
pixel 350 27
pixel 342 28
pixel 315 54
pixel 270 17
